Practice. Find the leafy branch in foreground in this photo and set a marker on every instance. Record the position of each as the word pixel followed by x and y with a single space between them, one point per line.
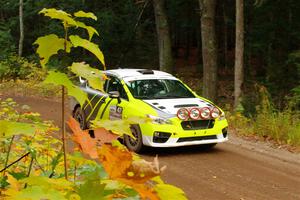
pixel 51 44
pixel 121 174
pixel 124 166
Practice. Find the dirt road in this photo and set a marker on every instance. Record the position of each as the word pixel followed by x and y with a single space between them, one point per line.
pixel 238 169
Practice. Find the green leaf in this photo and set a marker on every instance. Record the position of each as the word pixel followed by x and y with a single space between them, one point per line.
pixel 94 76
pixel 166 192
pixel 56 160
pixel 91 31
pixel 119 127
pixel 59 78
pixel 58 14
pixel 57 184
pixel 37 193
pixel 49 45
pixel 18 175
pixel 85 14
pixel 9 128
pixel 88 45
pixel 91 189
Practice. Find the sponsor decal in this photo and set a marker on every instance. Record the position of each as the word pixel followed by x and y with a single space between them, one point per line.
pixel 115 112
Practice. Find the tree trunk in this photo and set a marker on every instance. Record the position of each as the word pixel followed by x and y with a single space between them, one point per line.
pixel 21 28
pixel 225 30
pixel 163 36
pixel 239 52
pixel 209 48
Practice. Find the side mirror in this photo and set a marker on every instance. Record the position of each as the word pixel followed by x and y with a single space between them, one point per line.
pixel 115 95
pixel 83 82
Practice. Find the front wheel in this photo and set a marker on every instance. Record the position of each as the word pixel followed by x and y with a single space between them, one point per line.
pixel 134 144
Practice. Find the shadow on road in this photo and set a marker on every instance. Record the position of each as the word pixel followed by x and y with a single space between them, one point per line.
pixel 175 151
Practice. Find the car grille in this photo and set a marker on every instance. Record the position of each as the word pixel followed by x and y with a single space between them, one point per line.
pixel 197 124
pixel 198 138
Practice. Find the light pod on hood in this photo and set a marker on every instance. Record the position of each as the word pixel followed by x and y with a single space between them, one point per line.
pixel 215 113
pixel 205 113
pixel 194 113
pixel 183 114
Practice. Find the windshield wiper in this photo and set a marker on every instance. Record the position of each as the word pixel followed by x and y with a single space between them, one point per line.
pixel 173 96
pixel 143 97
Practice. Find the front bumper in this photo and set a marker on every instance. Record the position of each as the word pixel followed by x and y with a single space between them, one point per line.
pixel 175 142
pixel 180 137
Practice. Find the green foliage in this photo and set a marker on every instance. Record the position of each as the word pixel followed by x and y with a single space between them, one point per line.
pixel 6 41
pixel 9 128
pixel 53 13
pixel 294 59
pixel 91 189
pixel 86 44
pixel 88 180
pixel 94 76
pixel 84 14
pixel 58 78
pixel 55 44
pixel 49 45
pixel 166 191
pixel 30 87
pixel 270 123
pixel 14 67
pixel 43 178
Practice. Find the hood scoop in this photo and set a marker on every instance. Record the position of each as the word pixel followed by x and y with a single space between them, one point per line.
pixel 171 106
pixel 186 105
pixel 161 107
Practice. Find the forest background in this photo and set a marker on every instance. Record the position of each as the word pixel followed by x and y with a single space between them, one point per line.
pixel 244 55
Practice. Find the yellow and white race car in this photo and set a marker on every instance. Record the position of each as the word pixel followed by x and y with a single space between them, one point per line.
pixel 177 115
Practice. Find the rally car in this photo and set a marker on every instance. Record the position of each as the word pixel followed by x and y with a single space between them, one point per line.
pixel 177 115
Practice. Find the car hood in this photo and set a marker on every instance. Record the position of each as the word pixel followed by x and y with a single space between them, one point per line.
pixel 171 106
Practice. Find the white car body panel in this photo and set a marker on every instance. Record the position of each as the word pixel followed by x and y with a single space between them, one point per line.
pixel 169 104
pixel 172 142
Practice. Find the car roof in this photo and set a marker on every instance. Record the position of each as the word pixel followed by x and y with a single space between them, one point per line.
pixel 138 73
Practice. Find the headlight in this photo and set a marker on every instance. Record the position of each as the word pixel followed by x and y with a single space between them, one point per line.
pixel 205 113
pixel 183 114
pixel 194 113
pixel 159 120
pixel 222 116
pixel 215 113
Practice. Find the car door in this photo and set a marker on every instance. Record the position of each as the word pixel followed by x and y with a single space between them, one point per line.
pixel 96 101
pixel 115 109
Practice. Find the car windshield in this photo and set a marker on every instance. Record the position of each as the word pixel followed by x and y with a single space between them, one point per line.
pixel 158 89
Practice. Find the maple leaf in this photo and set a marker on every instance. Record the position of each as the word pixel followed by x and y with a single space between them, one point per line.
pixel 119 164
pixel 115 161
pixel 144 170
pixel 146 192
pixel 104 136
pixel 86 144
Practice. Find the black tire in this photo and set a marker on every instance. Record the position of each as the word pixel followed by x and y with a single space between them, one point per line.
pixel 80 117
pixel 136 144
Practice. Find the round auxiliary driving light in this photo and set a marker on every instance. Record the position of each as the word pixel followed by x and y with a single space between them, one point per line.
pixel 183 114
pixel 215 113
pixel 194 113
pixel 205 113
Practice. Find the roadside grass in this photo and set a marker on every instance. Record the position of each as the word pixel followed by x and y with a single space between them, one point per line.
pixel 281 126
pixel 22 77
pixel 29 88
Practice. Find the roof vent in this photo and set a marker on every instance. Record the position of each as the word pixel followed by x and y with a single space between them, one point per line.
pixel 146 71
